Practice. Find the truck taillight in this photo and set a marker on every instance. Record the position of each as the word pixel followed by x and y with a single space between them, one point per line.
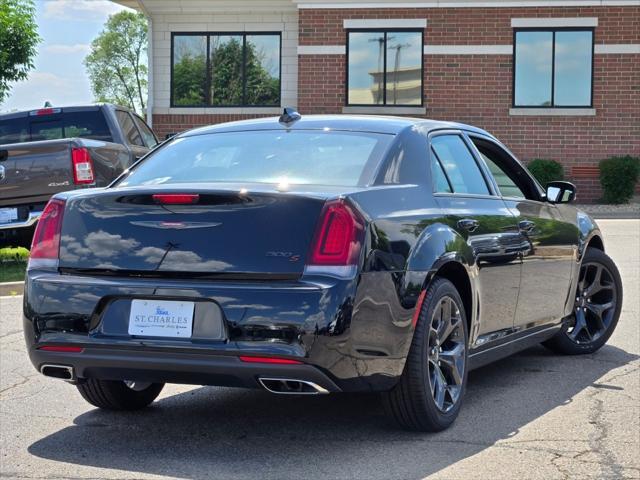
pixel 46 239
pixel 82 166
pixel 338 240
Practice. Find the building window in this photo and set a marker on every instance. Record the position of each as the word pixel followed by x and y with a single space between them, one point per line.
pixel 553 68
pixel 384 67
pixel 225 70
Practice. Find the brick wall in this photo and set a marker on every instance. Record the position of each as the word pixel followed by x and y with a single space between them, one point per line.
pixel 476 89
pixel 176 123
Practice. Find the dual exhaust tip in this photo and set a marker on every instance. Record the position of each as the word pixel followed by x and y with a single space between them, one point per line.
pixel 290 386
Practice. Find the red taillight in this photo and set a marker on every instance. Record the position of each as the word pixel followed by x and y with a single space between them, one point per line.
pixel 280 361
pixel 61 348
pixel 338 238
pixel 82 166
pixel 176 198
pixel 46 239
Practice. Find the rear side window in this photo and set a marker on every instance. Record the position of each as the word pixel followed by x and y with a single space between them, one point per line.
pixel 129 130
pixel 460 168
pixel 89 124
pixel 15 130
pixel 147 135
pixel 440 182
pixel 269 156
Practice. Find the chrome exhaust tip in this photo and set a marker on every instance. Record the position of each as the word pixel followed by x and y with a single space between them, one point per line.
pixel 62 372
pixel 291 386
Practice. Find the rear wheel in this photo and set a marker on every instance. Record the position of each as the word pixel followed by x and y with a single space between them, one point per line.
pixel 598 302
pixel 118 395
pixel 429 393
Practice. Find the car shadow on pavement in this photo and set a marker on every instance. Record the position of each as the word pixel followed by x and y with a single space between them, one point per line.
pixel 226 433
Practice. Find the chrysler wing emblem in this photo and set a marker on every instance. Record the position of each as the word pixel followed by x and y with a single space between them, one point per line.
pixel 175 225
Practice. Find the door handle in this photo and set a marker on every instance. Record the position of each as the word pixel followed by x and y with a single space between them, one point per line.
pixel 469 224
pixel 526 226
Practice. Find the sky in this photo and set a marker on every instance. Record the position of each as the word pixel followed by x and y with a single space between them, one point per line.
pixel 67 28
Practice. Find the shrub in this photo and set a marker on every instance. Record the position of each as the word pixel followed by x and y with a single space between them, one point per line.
pixel 13 254
pixel 618 177
pixel 546 171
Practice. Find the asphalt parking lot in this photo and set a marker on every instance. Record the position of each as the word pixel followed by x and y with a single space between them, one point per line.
pixel 535 415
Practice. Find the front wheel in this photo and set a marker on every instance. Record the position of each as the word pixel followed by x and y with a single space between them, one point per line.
pixel 598 302
pixel 429 393
pixel 118 395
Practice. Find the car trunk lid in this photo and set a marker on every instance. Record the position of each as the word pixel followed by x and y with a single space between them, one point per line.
pixel 226 231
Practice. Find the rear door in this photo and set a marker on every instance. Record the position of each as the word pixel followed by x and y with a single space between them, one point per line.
pixel 482 219
pixel 548 262
pixel 131 134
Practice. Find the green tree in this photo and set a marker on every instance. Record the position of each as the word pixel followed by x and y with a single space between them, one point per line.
pixel 116 63
pixel 189 75
pixel 18 41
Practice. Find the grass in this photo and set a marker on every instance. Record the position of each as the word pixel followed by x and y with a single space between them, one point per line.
pixel 13 264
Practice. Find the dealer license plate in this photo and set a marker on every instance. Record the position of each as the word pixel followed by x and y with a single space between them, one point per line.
pixel 161 318
pixel 8 215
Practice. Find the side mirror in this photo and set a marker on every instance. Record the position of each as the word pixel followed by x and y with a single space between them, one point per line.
pixel 561 192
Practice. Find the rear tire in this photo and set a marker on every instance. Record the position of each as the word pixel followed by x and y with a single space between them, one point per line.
pixel 599 286
pixel 437 362
pixel 116 395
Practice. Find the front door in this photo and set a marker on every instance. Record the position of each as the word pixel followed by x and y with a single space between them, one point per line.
pixel 487 226
pixel 552 241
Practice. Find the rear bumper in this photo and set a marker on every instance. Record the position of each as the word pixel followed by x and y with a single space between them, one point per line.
pixel 355 332
pixel 176 367
pixel 26 223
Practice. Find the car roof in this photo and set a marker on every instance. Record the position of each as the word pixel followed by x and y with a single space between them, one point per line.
pixel 65 109
pixel 357 123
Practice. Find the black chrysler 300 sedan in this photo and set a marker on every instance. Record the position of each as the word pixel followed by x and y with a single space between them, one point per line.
pixel 315 255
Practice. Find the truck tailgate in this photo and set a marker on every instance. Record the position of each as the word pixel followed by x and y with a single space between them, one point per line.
pixel 35 170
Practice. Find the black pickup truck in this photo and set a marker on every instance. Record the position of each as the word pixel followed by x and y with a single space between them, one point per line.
pixel 46 151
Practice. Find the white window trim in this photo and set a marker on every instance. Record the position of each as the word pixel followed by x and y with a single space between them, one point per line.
pixel 553 112
pixel 620 48
pixel 341 4
pixel 554 22
pixel 468 49
pixel 219 110
pixel 322 50
pixel 385 23
pixel 385 110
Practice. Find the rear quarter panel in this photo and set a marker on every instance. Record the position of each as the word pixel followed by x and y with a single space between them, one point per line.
pixel 408 239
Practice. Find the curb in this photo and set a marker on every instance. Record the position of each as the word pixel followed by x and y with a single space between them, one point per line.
pixel 615 216
pixel 11 289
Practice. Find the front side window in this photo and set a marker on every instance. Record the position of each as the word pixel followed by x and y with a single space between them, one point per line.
pixel 129 130
pixel 553 68
pixel 384 67
pixel 145 131
pixel 225 70
pixel 510 177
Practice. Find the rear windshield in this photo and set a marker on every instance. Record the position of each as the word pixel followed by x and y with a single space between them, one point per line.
pixel 14 131
pixel 90 124
pixel 273 156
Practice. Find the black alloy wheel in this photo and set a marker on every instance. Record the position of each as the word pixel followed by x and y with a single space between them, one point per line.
pixel 430 391
pixel 597 306
pixel 595 303
pixel 446 354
